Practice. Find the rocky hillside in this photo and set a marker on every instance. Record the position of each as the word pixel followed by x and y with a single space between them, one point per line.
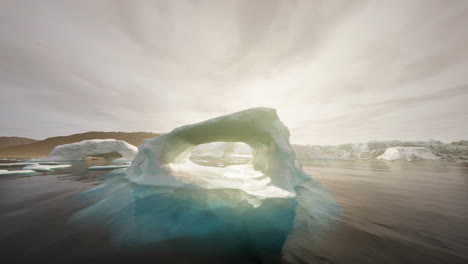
pixel 14 141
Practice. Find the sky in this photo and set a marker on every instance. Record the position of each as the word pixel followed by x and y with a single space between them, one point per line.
pixel 336 71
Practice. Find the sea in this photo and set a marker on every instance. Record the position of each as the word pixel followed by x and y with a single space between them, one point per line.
pixel 389 212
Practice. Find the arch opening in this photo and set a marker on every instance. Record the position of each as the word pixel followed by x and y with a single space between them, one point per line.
pixel 218 172
pixel 92 148
pixel 104 156
pixel 222 154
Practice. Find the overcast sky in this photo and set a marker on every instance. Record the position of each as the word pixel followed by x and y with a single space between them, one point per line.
pixel 336 71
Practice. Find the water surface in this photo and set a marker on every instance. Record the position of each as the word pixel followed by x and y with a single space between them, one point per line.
pixel 393 212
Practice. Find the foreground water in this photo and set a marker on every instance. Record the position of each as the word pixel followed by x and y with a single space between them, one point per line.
pixel 400 212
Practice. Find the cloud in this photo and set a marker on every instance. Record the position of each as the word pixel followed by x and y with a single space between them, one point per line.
pixel 336 71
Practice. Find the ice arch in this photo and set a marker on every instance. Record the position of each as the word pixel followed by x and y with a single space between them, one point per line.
pixel 79 150
pixel 164 160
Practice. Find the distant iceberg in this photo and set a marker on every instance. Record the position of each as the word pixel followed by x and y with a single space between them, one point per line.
pixel 460 143
pixel 79 150
pixel 222 150
pixel 310 153
pixel 373 149
pixel 407 153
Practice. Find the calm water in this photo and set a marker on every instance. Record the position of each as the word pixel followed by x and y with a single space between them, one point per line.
pixel 400 212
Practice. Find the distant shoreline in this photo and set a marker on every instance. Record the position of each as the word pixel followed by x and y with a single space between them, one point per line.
pixel 43 147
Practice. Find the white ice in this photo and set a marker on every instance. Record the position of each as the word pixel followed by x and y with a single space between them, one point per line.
pixel 17 172
pixel 407 153
pixel 79 150
pixel 41 167
pixel 224 150
pixel 373 149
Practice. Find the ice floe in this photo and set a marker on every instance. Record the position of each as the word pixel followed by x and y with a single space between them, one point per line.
pixel 17 172
pixel 41 167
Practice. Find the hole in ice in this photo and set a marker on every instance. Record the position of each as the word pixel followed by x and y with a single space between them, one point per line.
pixel 102 156
pixel 222 154
pixel 223 165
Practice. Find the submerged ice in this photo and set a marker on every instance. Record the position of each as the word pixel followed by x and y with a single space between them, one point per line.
pixel 239 210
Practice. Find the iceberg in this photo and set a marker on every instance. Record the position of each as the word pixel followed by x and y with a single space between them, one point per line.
pixel 407 153
pixel 79 150
pixel 373 149
pixel 460 143
pixel 272 172
pixel 239 210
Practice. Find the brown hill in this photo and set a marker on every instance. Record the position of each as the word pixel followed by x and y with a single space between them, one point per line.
pixel 43 147
pixel 14 141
